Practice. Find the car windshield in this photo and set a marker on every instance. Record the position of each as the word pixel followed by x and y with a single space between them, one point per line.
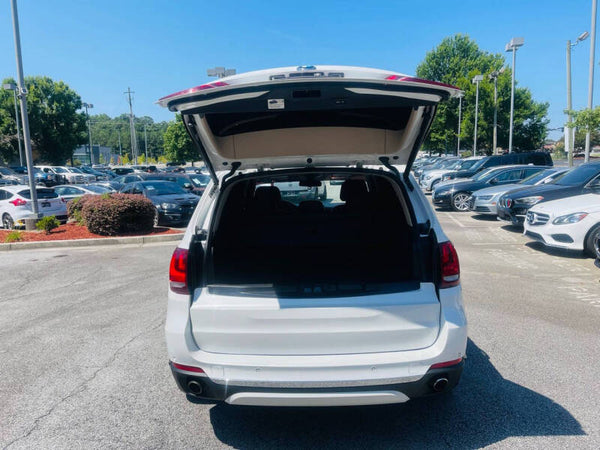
pixel 484 175
pixel 477 164
pixel 97 189
pixel 41 193
pixel 579 175
pixel 539 176
pixel 59 170
pixel 200 180
pixel 467 163
pixel 75 170
pixel 163 188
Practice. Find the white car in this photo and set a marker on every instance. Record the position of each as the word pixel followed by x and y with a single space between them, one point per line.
pixel 572 223
pixel 431 178
pixel 70 175
pixel 15 205
pixel 348 301
pixel 68 192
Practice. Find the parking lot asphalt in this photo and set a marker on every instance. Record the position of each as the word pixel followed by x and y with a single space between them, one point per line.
pixel 84 363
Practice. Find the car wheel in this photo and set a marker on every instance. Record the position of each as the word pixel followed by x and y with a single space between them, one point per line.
pixel 592 242
pixel 460 201
pixel 7 222
pixel 433 185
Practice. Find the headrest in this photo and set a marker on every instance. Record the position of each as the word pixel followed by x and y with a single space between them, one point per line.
pixel 267 195
pixel 311 207
pixel 353 190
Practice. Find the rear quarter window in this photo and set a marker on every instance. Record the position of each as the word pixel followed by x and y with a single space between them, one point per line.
pixel 41 193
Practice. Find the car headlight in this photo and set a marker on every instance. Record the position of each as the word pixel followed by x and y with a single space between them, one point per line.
pixel 529 201
pixel 570 218
pixel 169 205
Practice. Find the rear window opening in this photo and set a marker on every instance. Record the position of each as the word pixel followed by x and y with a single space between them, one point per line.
pixel 316 235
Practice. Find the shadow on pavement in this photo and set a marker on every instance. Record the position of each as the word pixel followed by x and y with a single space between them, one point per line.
pixel 484 409
pixel 513 228
pixel 485 217
pixel 552 251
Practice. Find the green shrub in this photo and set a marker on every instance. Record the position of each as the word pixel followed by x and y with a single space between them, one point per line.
pixel 14 236
pixel 47 224
pixel 118 213
pixel 75 206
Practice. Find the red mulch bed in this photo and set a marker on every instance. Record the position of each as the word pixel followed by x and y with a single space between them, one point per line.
pixel 74 231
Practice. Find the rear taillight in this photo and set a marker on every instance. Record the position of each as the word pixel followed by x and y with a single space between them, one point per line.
pixel 18 202
pixel 178 271
pixel 449 266
pixel 187 368
pixel 446 364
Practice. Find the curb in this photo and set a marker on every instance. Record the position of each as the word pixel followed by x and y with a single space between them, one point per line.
pixel 140 240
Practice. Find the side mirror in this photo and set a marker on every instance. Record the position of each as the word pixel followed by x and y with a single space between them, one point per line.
pixel 494 181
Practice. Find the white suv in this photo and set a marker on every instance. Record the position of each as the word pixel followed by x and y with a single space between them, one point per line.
pixel 350 299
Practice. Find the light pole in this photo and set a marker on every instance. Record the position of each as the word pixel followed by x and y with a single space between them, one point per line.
pixel 476 79
pixel 220 72
pixel 512 46
pixel 591 76
pixel 13 87
pixel 494 76
pixel 23 99
pixel 570 132
pixel 87 114
pixel 460 97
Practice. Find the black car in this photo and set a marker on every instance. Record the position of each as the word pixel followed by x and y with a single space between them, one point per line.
pixel 456 194
pixel 174 205
pixel 193 182
pixel 513 205
pixel 535 158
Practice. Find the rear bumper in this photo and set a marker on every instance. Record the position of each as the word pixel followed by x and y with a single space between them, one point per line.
pixel 407 372
pixel 203 387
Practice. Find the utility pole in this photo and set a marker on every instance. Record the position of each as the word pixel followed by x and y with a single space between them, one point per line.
pixel 570 132
pixel 476 80
pixel 591 77
pixel 146 143
pixel 120 149
pixel 24 115
pixel 460 97
pixel 89 124
pixel 512 46
pixel 134 151
pixel 494 76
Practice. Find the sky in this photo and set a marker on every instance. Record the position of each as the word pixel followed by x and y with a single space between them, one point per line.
pixel 102 47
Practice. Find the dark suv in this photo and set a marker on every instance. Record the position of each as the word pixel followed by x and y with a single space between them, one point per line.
pixel 535 158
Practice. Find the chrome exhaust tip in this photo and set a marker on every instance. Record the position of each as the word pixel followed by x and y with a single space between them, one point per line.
pixel 195 387
pixel 440 384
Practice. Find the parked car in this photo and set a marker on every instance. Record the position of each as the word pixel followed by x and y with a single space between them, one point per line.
pixel 68 192
pixel 65 174
pixel 174 205
pixel 456 194
pixel 513 205
pixel 47 179
pixel 430 178
pixel 110 185
pixel 122 170
pixel 9 174
pixel 571 223
pixel 484 201
pixel 193 182
pixel 16 206
pixel 99 176
pixel 442 163
pixel 535 158
pixel 313 305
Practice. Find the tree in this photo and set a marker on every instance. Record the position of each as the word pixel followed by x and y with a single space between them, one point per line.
pixel 56 126
pixel 178 144
pixel 456 60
